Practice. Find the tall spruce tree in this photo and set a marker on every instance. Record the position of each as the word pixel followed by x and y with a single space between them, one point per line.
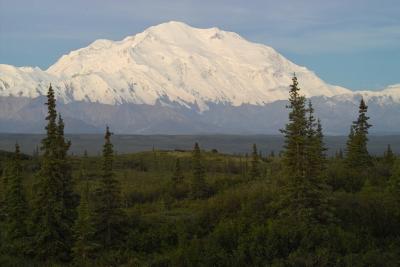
pixel 295 133
pixel 198 184
pixel 109 216
pixel 52 229
pixel 305 197
pixel 357 152
pixel 15 210
pixel 254 168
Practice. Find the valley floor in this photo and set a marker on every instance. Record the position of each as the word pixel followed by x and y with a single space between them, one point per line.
pixel 231 144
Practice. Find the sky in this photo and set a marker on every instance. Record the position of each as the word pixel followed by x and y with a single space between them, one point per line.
pixel 351 43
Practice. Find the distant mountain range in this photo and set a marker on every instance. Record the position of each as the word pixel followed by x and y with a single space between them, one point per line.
pixel 176 79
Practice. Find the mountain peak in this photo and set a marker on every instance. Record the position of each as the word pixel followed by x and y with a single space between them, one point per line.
pixel 172 24
pixel 171 27
pixel 179 33
pixel 178 25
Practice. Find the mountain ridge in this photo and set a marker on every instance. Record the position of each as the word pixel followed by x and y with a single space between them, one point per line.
pixel 173 78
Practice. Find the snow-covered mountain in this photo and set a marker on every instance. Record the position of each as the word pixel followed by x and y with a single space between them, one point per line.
pixel 181 73
pixel 187 65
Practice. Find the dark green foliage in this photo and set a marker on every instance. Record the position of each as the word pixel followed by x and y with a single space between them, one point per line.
pixel 295 133
pixel 272 154
pixel 15 210
pixel 315 148
pixel 389 156
pixel 394 187
pixel 357 152
pixel 395 179
pixel 109 216
pixel 177 188
pixel 239 225
pixel 70 198
pixel 305 194
pixel 84 229
pixel 254 168
pixel 3 186
pixel 339 154
pixel 307 201
pixel 198 185
pixel 178 177
pixel 320 144
pixel 357 157
pixel 54 205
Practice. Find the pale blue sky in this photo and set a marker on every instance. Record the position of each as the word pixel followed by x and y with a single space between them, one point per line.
pixel 352 43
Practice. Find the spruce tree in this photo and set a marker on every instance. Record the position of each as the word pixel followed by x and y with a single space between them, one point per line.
pixel 340 154
pixel 198 185
pixel 311 153
pixel 394 187
pixel 295 133
pixel 389 156
pixel 305 195
pixel 321 148
pixel 15 210
pixel 52 230
pixel 83 172
pixel 3 186
pixel 357 152
pixel 272 154
pixel 315 147
pixel 358 159
pixel 254 168
pixel 109 216
pixel 177 177
pixel 84 229
pixel 70 198
pixel 350 144
pixel 176 186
